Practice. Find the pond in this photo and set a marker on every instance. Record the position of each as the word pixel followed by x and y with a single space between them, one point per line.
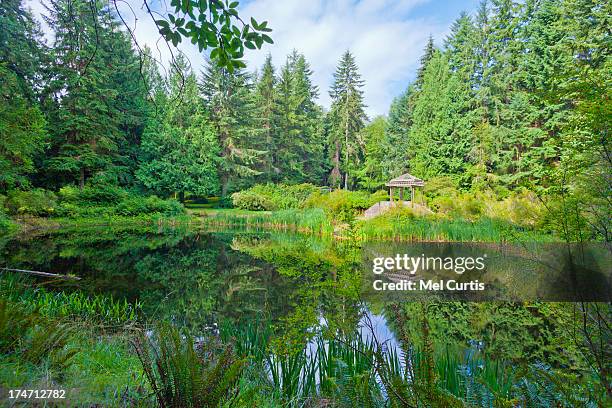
pixel 201 278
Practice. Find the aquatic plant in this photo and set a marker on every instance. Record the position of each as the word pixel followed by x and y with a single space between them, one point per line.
pixel 95 307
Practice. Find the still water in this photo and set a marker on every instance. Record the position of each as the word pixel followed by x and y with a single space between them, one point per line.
pixel 199 278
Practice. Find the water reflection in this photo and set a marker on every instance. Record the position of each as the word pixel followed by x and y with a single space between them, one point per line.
pixel 197 278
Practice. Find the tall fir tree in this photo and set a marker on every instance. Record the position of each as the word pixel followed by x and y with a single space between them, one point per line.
pixel 96 97
pixel 230 102
pixel 438 143
pixel 346 119
pixel 428 53
pixel 22 125
pixel 266 98
pixel 395 143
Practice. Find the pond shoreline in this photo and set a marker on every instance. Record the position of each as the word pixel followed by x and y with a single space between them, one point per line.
pixel 271 221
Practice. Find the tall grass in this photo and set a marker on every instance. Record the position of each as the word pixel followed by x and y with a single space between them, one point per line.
pixel 311 221
pixel 393 227
pixel 359 371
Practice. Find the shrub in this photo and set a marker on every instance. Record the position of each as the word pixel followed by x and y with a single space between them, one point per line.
pixel 269 197
pixel 136 205
pixel 344 205
pixel 102 194
pixel 249 200
pixel 36 202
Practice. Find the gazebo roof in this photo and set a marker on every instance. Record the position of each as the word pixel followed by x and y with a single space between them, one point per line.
pixel 406 180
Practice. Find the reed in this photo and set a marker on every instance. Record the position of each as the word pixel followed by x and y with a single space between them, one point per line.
pixel 311 221
pixel 425 229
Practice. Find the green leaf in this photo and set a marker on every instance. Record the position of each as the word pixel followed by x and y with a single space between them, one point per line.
pixel 267 39
pixel 162 23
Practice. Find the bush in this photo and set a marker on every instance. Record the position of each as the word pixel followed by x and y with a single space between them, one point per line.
pixel 344 205
pixel 270 197
pixel 249 200
pixel 36 202
pixel 148 205
pixel 102 194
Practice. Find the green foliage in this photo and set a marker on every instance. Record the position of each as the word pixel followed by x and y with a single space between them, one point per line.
pixel 184 374
pixel 36 202
pixel 179 150
pixel 270 197
pixel 345 121
pixel 22 132
pixel 215 25
pixel 109 200
pixel 343 205
pixel 232 112
pixel 32 337
pixel 63 304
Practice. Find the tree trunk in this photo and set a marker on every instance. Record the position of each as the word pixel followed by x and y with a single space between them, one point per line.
pixel 346 140
pixel 335 175
pixel 182 196
pixel 82 178
pixel 224 186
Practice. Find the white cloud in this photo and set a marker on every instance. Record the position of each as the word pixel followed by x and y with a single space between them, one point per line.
pixel 385 38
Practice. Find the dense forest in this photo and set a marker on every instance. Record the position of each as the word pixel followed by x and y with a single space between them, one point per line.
pixel 515 99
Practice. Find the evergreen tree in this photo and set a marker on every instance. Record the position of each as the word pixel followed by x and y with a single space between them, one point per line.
pixel 309 120
pixel 289 144
pixel 346 119
pixel 22 125
pixel 179 146
pixel 298 122
pixel 231 106
pixel 428 53
pixel 95 99
pixel 21 49
pixel 22 132
pixel 372 175
pixel 439 143
pixel 266 98
pixel 395 143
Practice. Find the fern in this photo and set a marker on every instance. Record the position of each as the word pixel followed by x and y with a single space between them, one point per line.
pixel 182 374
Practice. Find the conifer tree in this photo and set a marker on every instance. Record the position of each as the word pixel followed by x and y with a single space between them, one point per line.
pixel 428 53
pixel 180 151
pixel 395 142
pixel 266 97
pixel 22 125
pixel 230 102
pixel 346 119
pixel 97 96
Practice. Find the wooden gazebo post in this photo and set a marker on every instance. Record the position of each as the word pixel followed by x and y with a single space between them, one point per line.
pixel 401 182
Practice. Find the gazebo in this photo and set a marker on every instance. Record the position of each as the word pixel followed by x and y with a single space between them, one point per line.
pixel 403 181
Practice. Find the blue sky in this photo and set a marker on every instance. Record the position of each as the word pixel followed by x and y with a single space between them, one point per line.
pixel 386 36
